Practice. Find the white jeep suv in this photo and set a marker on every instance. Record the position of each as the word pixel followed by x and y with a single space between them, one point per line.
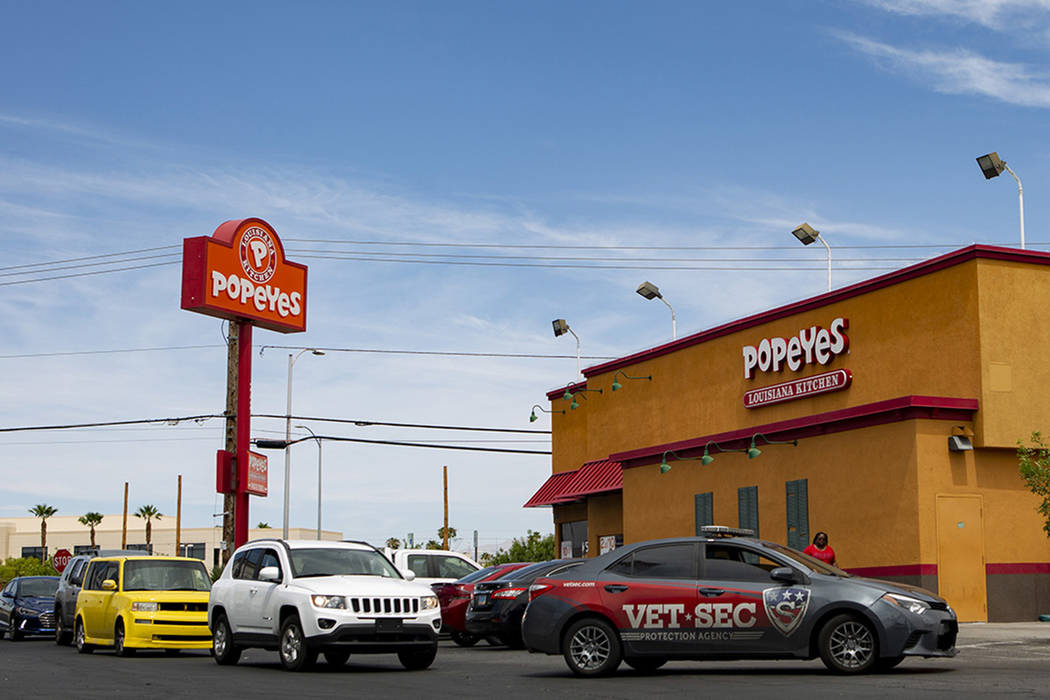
pixel 305 597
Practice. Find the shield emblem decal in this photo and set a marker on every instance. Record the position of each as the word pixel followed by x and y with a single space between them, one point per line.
pixel 786 607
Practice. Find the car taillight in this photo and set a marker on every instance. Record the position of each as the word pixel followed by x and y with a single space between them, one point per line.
pixel 508 592
pixel 538 589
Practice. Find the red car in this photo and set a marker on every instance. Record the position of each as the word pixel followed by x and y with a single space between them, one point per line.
pixel 455 597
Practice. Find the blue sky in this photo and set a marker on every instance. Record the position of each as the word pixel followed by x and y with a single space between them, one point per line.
pixel 638 129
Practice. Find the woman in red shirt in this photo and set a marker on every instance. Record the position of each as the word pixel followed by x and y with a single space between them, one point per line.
pixel 821 549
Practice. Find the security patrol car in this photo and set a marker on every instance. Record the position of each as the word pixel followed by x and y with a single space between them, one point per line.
pixel 726 595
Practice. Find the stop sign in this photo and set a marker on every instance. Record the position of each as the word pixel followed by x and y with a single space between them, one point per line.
pixel 62 558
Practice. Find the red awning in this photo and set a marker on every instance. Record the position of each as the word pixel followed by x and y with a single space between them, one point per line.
pixel 600 476
pixel 550 492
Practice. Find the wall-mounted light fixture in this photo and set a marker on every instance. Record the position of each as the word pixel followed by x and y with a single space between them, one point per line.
pixel 959 443
pixel 707 458
pixel 616 386
pixel 993 166
pixel 665 467
pixel 561 327
pixel 570 394
pixel 806 234
pixel 753 451
pixel 534 417
pixel 651 291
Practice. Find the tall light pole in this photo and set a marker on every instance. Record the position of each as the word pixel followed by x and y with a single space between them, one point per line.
pixel 318 476
pixel 806 234
pixel 561 328
pixel 993 166
pixel 651 291
pixel 288 436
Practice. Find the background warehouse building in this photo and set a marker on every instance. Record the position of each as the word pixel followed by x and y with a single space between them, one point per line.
pixel 907 394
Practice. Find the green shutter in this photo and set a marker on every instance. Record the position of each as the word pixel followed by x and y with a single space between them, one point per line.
pixel 797 514
pixel 747 506
pixel 704 509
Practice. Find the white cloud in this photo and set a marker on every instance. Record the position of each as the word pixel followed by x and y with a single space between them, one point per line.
pixel 961 72
pixel 993 14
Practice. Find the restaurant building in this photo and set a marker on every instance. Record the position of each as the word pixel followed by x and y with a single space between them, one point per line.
pixel 886 413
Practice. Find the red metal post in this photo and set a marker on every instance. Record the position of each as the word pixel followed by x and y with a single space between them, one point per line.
pixel 244 427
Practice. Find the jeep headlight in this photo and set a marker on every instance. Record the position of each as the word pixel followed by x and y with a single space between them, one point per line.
pixel 329 601
pixel 144 607
pixel 907 602
pixel 428 602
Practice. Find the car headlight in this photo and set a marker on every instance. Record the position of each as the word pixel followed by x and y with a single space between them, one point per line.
pixel 908 603
pixel 144 607
pixel 329 601
pixel 27 611
pixel 428 602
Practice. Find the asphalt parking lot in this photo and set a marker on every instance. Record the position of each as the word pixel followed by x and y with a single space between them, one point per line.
pixel 993 661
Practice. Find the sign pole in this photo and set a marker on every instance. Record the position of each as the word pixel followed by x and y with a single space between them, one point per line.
pixel 243 430
pixel 124 527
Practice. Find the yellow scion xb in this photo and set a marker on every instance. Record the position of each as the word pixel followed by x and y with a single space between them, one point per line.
pixel 143 602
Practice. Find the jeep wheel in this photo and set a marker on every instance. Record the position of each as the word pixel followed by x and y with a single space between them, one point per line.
pixel 591 648
pixel 337 657
pixel 465 639
pixel 226 653
pixel 62 635
pixel 418 659
pixel 847 645
pixel 79 637
pixel 295 655
pixel 118 641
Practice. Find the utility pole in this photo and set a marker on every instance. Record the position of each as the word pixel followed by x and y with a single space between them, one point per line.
pixel 229 499
pixel 445 531
pixel 124 529
pixel 178 518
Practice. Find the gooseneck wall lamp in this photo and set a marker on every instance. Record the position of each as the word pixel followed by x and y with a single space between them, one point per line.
pixel 806 234
pixel 651 291
pixel 753 451
pixel 616 386
pixel 665 467
pixel 707 458
pixel 571 391
pixel 533 418
pixel 561 328
pixel 993 166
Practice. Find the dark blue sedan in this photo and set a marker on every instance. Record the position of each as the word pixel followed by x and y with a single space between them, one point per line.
pixel 27 606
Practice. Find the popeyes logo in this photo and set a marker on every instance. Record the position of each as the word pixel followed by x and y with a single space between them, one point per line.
pixel 240 273
pixel 814 345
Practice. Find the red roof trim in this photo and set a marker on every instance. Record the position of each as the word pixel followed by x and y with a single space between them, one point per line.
pixel 878 413
pixel 550 492
pixel 600 476
pixel 921 269
pixel 576 387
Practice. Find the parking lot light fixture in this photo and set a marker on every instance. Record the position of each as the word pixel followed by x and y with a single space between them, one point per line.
pixel 993 166
pixel 651 291
pixel 806 234
pixel 561 327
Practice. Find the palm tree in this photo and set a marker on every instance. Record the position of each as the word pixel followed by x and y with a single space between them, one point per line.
pixel 148 513
pixel 43 512
pixel 393 543
pixel 91 520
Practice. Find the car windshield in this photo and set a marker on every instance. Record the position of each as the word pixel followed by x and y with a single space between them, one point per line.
pixel 331 561
pixel 165 575
pixel 38 588
pixel 811 563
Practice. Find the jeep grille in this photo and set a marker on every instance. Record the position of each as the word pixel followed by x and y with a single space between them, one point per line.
pixel 384 606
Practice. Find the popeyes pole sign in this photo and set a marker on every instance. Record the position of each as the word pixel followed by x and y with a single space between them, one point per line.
pixel 240 273
pixel 810 346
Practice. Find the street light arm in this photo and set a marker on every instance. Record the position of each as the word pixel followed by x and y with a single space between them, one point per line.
pixel 1020 199
pixel 828 248
pixel 674 321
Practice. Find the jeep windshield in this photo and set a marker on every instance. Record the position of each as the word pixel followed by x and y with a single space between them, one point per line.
pixel 165 576
pixel 330 561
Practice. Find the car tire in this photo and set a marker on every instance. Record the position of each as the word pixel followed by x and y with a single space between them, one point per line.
pixel 465 639
pixel 512 640
pixel 79 637
pixel 418 659
pixel 337 657
pixel 295 654
pixel 63 637
pixel 887 663
pixel 226 653
pixel 847 645
pixel 645 664
pixel 591 648
pixel 2 634
pixel 119 641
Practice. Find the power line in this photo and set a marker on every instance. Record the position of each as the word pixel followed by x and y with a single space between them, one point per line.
pixel 428 444
pixel 90 257
pixel 423 244
pixel 87 274
pixel 363 423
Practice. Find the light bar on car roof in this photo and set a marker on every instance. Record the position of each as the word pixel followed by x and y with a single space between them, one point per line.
pixel 723 531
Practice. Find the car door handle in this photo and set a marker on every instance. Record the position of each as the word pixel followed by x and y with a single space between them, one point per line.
pixel 711 592
pixel 615 588
pixel 253 591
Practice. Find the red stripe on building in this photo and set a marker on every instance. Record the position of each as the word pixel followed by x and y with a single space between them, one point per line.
pixel 1019 568
pixel 894 571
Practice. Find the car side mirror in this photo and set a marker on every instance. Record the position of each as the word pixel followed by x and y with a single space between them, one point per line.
pixel 784 574
pixel 109 585
pixel 8 594
pixel 408 574
pixel 270 573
